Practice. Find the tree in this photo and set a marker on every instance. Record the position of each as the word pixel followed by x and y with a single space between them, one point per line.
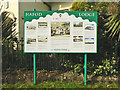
pixel 8 28
pixel 113 25
pixel 9 39
pixel 113 20
pixel 90 6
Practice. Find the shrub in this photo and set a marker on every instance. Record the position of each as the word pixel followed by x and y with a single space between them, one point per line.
pixel 107 68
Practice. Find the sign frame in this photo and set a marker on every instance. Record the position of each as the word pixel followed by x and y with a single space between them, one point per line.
pixel 82 15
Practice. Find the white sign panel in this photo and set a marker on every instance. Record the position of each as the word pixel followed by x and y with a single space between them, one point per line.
pixel 60 33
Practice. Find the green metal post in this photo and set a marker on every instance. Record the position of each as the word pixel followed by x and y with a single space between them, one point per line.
pixel 34 65
pixel 85 67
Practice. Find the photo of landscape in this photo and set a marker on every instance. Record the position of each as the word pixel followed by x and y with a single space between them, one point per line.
pixel 42 24
pixel 89 40
pixel 89 26
pixel 78 24
pixel 31 40
pixel 42 39
pixel 30 27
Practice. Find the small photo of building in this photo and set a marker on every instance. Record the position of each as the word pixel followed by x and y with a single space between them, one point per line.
pixel 60 29
pixel 77 38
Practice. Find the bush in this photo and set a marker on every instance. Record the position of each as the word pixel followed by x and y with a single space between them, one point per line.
pixel 107 68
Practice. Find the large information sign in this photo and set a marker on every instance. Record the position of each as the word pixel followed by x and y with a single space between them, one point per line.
pixel 60 32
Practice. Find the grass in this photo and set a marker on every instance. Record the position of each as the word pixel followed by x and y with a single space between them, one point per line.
pixel 62 84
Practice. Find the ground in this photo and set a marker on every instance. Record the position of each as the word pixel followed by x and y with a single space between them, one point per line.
pixel 53 79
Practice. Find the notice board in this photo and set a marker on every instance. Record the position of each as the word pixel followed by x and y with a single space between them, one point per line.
pixel 60 31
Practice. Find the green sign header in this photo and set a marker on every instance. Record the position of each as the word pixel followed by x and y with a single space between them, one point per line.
pixel 30 15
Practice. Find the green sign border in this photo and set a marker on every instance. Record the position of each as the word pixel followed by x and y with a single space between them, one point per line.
pixel 76 13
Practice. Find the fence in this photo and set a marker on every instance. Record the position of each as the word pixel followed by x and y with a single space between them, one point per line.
pixel 14 58
pixel 17 66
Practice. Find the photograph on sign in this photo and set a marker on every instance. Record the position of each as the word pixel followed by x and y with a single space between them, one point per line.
pixel 31 40
pixel 77 38
pixel 89 26
pixel 78 24
pixel 89 40
pixel 60 29
pixel 30 27
pixel 42 39
pixel 42 24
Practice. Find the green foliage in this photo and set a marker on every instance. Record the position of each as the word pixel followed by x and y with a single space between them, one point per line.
pixel 90 6
pixel 59 84
pixel 91 66
pixel 113 20
pixel 78 68
pixel 8 28
pixel 75 64
pixel 108 67
pixel 67 64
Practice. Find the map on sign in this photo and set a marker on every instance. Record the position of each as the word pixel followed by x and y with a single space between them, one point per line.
pixel 60 32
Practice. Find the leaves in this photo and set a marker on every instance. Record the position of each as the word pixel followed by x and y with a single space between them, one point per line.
pixel 8 28
pixel 108 67
pixel 113 21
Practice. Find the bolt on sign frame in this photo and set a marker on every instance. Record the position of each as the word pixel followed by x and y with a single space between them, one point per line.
pixel 60 32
